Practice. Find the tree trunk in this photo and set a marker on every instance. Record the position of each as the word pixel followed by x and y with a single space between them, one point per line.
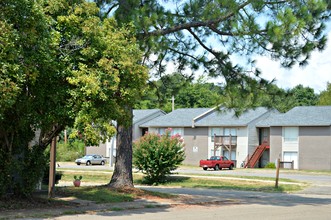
pixel 122 176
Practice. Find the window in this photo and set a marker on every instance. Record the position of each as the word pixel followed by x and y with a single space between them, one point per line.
pixel 177 131
pixel 230 131
pixel 232 156
pixel 225 158
pixel 217 152
pixel 174 131
pixel 290 134
pixel 161 131
pixel 214 131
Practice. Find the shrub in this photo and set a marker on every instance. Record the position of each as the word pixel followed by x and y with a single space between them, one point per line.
pixel 270 165
pixel 157 155
pixel 70 151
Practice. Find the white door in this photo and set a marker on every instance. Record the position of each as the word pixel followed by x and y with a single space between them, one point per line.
pixel 291 156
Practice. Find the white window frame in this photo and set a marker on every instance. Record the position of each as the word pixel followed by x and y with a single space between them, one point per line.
pixel 290 134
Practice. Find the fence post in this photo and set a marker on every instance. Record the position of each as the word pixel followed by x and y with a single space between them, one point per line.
pixel 277 173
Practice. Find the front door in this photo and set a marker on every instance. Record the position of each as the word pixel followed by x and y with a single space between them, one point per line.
pixel 291 156
pixel 264 135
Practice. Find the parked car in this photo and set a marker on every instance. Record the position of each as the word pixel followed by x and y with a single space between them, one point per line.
pixel 91 159
pixel 217 163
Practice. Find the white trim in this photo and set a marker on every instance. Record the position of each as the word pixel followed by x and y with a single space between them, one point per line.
pixel 203 114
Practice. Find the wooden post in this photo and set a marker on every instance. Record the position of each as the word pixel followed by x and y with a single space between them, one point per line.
pixel 277 173
pixel 51 182
pixel 173 103
pixel 65 136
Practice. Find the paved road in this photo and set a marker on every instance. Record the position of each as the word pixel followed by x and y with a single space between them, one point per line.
pixel 226 204
pixel 246 212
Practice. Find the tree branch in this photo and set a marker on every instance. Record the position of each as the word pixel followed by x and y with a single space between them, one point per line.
pixel 216 54
pixel 194 24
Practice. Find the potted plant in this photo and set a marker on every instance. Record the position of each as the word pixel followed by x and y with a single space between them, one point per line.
pixel 77 181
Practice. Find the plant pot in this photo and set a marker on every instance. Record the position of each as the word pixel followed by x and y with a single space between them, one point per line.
pixel 77 183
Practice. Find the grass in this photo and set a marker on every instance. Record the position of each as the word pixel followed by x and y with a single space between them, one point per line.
pixel 88 176
pixel 99 194
pixel 247 183
pixel 104 194
pixel 242 177
pixel 229 184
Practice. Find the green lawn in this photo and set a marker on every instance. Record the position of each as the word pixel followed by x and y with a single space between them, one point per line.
pixel 103 195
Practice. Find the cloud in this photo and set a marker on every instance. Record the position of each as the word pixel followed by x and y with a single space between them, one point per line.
pixel 315 75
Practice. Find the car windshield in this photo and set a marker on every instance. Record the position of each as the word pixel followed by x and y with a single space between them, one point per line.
pixel 87 156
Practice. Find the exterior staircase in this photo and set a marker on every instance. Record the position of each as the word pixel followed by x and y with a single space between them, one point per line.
pixel 251 161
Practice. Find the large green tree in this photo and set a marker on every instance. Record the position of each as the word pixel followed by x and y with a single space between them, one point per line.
pixel 325 96
pixel 211 33
pixel 60 66
pixel 186 92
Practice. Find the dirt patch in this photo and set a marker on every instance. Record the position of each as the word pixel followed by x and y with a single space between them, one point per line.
pixel 35 201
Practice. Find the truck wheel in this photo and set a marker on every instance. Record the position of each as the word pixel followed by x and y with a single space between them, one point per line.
pixel 231 167
pixel 217 167
pixel 205 168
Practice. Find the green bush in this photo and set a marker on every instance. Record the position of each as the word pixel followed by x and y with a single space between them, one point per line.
pixel 270 165
pixel 157 155
pixel 70 151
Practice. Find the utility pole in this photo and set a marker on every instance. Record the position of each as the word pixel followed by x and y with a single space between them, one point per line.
pixel 173 103
pixel 51 182
pixel 65 136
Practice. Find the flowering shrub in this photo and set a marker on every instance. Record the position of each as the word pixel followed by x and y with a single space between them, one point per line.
pixel 157 155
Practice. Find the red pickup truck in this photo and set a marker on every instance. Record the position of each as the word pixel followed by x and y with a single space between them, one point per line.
pixel 217 163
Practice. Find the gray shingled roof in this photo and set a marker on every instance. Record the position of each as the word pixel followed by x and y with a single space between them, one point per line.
pixel 204 117
pixel 300 116
pixel 228 118
pixel 139 114
pixel 177 118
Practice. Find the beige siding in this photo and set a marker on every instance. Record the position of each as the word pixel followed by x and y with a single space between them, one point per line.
pixel 275 143
pixel 101 150
pixel 196 145
pixel 315 148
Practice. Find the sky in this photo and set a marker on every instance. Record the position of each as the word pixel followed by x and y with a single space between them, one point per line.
pixel 315 75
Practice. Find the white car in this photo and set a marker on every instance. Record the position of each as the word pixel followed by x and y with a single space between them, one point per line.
pixel 91 159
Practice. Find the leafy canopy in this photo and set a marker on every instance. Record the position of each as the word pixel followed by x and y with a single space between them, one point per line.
pixel 61 65
pixel 325 96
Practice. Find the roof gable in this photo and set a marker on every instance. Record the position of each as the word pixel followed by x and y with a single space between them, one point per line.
pixel 177 118
pixel 228 117
pixel 141 114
